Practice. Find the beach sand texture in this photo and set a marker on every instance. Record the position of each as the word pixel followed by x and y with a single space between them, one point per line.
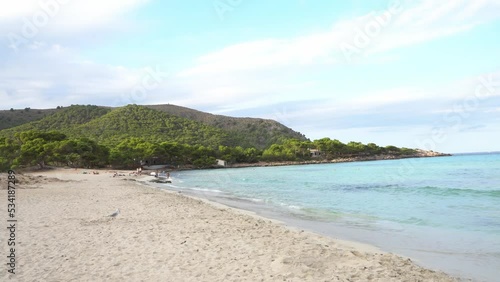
pixel 63 234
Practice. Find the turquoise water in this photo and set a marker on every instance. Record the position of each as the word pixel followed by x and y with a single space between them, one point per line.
pixel 444 212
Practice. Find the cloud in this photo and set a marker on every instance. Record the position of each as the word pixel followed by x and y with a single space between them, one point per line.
pixel 404 24
pixel 390 110
pixel 54 75
pixel 29 18
pixel 15 9
pixel 93 13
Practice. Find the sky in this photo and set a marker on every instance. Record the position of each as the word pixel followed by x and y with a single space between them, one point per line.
pixel 418 74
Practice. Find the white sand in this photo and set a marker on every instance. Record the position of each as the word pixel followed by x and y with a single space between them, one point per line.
pixel 63 235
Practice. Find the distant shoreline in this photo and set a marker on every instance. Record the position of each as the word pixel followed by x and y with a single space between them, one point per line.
pixel 338 160
pixel 421 154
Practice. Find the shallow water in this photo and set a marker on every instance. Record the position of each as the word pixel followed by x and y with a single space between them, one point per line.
pixel 443 212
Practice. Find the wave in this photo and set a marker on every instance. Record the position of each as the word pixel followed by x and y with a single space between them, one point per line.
pixel 192 188
pixel 427 190
pixel 366 187
pixel 206 190
pixel 443 191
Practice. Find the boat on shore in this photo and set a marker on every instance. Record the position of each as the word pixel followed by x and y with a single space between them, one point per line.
pixel 164 177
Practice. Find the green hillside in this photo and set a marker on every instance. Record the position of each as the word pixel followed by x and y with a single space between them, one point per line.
pixel 111 126
pixel 246 132
pixel 16 117
pixel 149 124
pixel 62 120
pixel 154 123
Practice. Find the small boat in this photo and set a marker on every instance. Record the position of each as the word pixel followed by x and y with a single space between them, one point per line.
pixel 164 177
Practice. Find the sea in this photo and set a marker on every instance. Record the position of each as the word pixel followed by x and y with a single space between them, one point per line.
pixel 442 212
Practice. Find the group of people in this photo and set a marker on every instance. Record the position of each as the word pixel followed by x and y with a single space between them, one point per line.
pixel 139 172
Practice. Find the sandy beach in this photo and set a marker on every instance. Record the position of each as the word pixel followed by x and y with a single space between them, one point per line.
pixel 63 233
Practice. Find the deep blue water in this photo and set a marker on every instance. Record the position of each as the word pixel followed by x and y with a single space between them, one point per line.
pixel 444 212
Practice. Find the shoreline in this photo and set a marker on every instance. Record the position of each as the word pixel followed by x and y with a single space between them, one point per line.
pixel 158 234
pixel 423 154
pixel 375 239
pixel 338 160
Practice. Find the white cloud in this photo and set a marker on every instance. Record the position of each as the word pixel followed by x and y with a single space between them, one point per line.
pixel 93 13
pixel 36 45
pixel 3 95
pixel 241 72
pixel 410 24
pixel 54 75
pixel 63 15
pixel 15 9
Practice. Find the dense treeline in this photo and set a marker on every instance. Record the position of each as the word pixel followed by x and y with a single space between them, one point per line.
pixel 43 148
pixel 296 150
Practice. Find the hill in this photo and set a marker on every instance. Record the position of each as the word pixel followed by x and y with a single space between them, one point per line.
pixel 16 117
pixel 149 124
pixel 154 123
pixel 61 119
pixel 246 132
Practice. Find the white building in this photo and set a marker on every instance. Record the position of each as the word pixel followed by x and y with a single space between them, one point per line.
pixel 221 163
pixel 315 153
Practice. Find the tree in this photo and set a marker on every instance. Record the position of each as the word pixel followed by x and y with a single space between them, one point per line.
pixel 49 136
pixel 252 155
pixel 204 162
pixel 356 148
pixel 81 152
pixel 8 152
pixel 35 151
pixel 373 149
pixel 278 153
pixel 392 150
pixel 37 147
pixel 300 149
pixel 131 151
pixel 331 148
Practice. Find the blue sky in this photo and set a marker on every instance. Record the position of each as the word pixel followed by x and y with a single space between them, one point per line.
pixel 420 74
